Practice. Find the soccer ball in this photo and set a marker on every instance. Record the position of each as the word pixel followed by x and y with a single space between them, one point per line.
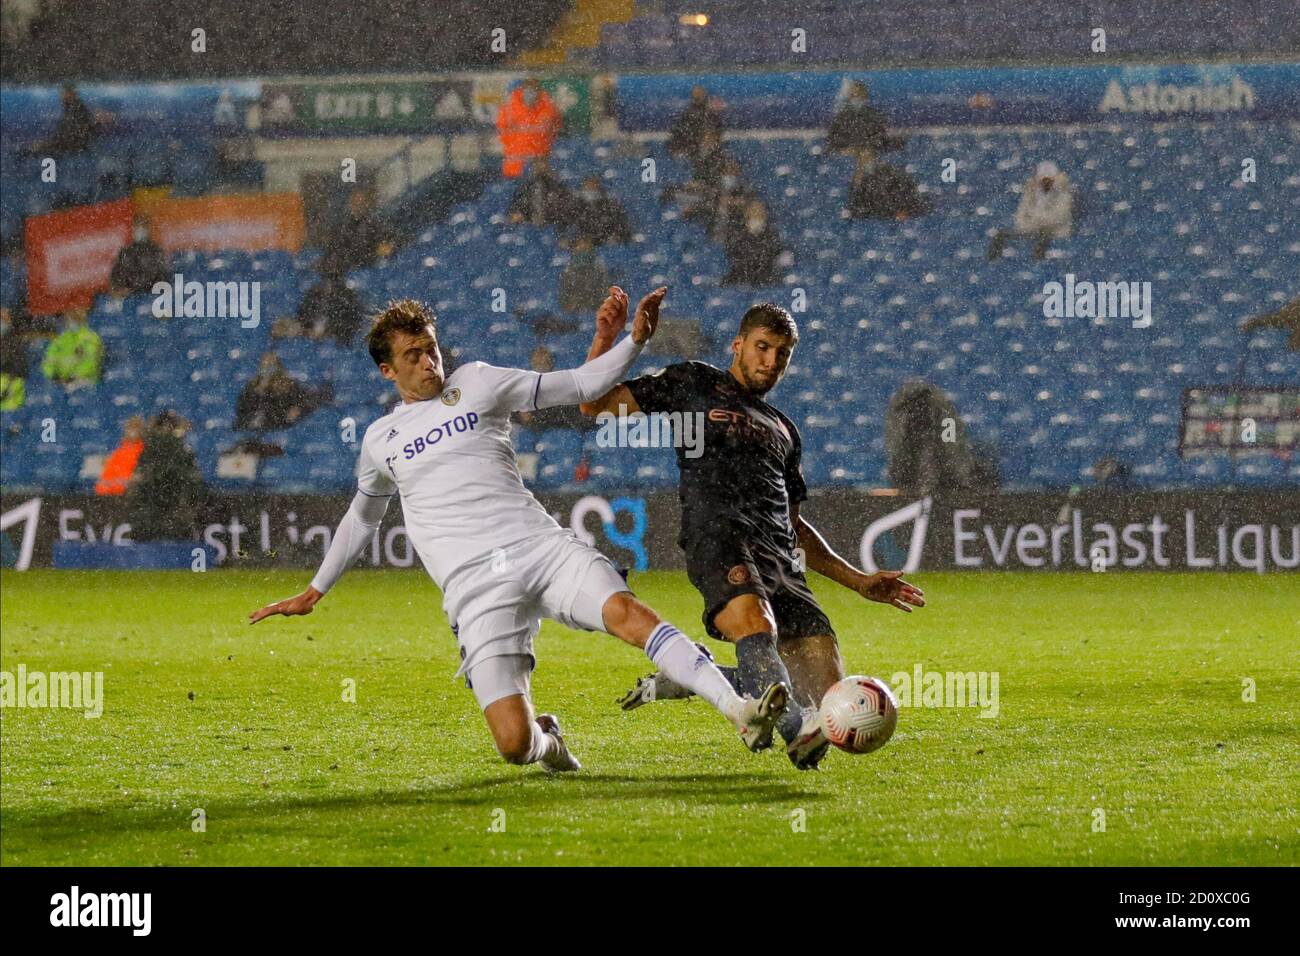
pixel 859 714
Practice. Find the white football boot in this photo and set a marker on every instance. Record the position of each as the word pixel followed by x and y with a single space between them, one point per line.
pixel 759 717
pixel 806 750
pixel 558 760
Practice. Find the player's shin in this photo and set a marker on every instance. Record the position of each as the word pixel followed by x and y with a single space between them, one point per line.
pixel 759 664
pixel 683 661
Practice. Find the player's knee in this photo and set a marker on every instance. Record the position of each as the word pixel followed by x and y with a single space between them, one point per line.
pixel 628 618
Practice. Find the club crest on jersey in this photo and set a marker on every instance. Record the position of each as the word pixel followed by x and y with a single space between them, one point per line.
pixel 738 575
pixel 451 396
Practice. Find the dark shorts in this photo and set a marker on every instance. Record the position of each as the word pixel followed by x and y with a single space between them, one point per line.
pixel 723 566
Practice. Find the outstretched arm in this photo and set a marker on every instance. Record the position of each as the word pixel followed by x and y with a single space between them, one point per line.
pixel 574 386
pixel 353 534
pixel 886 587
pixel 608 324
pixel 601 373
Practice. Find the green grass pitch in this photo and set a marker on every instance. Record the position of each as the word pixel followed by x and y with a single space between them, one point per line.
pixel 1118 692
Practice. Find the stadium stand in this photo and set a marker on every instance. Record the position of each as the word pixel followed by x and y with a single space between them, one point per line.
pixel 107 171
pixel 144 39
pixel 667 34
pixel 887 302
pixel 121 39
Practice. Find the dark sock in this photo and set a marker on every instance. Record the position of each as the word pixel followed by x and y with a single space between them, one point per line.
pixel 732 674
pixel 758 665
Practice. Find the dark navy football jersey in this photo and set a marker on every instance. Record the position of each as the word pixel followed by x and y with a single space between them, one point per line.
pixel 748 475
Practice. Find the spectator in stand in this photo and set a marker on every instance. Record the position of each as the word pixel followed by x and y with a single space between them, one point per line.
pixel 140 264
pixel 722 209
pixel 25 324
pixel 1287 317
pixel 919 462
pixel 330 308
pixel 1045 213
pixel 13 392
pixel 166 492
pixel 558 416
pixel 584 283
pixel 13 365
pixel 273 399
pixel 120 465
pixel 1111 473
pixel 360 240
pixel 858 127
pixel 708 166
pixel 882 191
pixel 75 130
pixel 688 132
pixel 711 162
pixel 527 122
pixel 76 356
pixel 598 217
pixel 753 251
pixel 604 107
pixel 541 199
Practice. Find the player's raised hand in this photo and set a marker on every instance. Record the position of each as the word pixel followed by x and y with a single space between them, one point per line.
pixel 647 316
pixel 612 314
pixel 299 604
pixel 888 587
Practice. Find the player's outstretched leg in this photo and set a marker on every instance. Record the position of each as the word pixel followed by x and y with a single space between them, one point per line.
pixel 683 663
pixel 747 621
pixel 522 740
pixel 814 665
pixel 659 686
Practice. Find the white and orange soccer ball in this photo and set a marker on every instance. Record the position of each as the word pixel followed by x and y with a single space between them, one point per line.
pixel 859 714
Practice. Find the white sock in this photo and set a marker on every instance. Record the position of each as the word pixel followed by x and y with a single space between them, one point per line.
pixel 678 657
pixel 542 744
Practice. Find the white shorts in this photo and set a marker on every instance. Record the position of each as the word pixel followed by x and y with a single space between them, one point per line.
pixel 496 605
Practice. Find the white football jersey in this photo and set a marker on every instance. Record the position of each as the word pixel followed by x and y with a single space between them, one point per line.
pixel 452 461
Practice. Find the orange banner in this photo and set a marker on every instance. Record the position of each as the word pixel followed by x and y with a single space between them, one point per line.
pixel 70 254
pixel 250 223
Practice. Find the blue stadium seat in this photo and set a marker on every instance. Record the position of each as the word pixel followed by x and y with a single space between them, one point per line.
pixel 887 302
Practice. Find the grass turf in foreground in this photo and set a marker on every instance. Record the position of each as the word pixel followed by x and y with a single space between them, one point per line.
pixel 1118 692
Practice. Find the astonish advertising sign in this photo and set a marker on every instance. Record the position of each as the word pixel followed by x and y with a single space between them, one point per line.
pixel 984 96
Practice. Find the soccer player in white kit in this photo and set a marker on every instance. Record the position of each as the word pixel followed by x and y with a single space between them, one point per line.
pixel 501 560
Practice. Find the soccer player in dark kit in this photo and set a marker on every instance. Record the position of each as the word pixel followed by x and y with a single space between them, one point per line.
pixel 741 528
